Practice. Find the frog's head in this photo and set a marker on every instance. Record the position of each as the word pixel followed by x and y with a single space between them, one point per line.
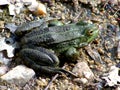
pixel 90 32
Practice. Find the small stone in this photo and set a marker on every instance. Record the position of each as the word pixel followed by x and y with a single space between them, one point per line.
pixel 111 78
pixel 3 70
pixel 84 80
pixel 4 2
pixel 81 80
pixel 118 50
pixel 118 88
pixel 82 69
pixel 101 51
pixel 2 24
pixel 41 82
pixel 9 48
pixel 18 75
pixel 4 60
pixel 41 9
pixel 12 9
pixel 37 8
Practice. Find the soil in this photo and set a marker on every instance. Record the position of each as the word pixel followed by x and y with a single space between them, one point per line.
pixel 104 14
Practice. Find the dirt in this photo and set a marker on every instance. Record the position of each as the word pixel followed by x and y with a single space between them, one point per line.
pixel 104 14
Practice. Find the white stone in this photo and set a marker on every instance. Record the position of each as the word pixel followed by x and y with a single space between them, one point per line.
pixel 4 60
pixel 7 47
pixel 18 75
pixel 4 2
pixel 11 9
pixel 82 69
pixel 112 78
pixel 38 8
pixel 84 80
pixel 3 70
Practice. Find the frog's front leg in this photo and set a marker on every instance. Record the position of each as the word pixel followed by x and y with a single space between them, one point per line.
pixel 72 53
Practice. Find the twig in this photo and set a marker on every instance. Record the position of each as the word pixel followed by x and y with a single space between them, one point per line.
pixel 116 12
pixel 105 3
pixel 53 79
pixel 75 19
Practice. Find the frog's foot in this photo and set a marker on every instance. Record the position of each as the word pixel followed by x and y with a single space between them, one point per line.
pixel 50 70
pixel 57 70
pixel 54 70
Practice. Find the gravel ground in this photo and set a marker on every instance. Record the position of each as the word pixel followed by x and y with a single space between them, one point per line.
pixel 103 14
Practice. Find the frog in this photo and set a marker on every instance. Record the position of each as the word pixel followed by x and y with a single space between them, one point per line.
pixel 41 43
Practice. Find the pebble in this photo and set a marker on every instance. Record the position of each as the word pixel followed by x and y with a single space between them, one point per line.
pixel 118 50
pixel 8 47
pixel 42 82
pixel 37 8
pixel 84 80
pixel 2 24
pixel 111 78
pixel 4 60
pixel 19 75
pixel 101 51
pixel 3 69
pixel 82 69
pixel 81 80
pixel 4 2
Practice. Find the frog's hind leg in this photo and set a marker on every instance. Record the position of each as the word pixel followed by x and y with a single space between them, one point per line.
pixel 47 69
pixel 39 68
pixel 41 59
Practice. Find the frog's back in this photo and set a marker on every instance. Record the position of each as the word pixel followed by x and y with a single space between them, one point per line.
pixel 54 35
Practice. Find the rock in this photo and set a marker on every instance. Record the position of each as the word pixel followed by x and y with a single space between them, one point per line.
pixel 4 60
pixel 81 80
pixel 84 80
pixel 8 47
pixel 82 69
pixel 19 75
pixel 36 7
pixel 42 82
pixel 112 78
pixel 118 50
pixel 4 2
pixel 3 70
pixel 1 24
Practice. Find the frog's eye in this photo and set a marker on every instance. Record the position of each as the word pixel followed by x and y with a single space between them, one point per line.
pixel 90 32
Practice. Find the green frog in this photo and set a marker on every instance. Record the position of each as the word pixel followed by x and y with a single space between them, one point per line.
pixel 39 41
